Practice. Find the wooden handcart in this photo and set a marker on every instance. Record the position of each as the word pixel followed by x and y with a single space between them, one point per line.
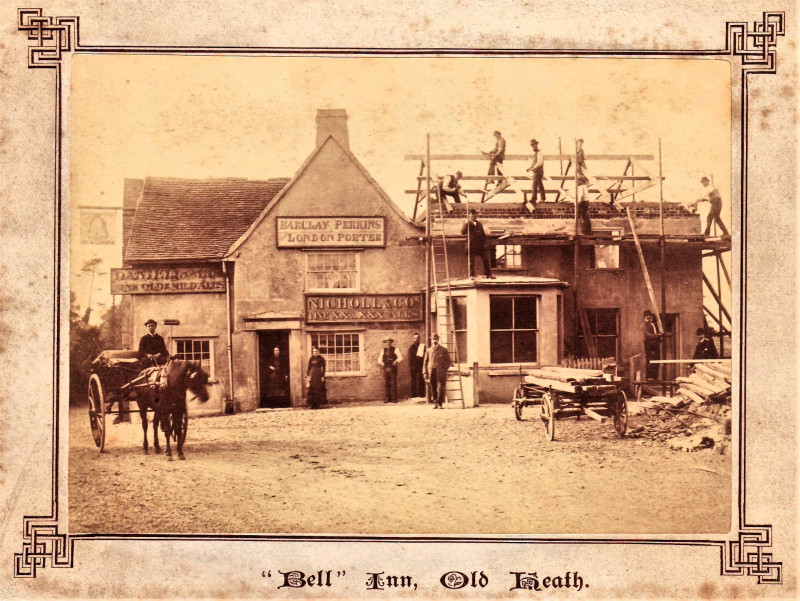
pixel 560 392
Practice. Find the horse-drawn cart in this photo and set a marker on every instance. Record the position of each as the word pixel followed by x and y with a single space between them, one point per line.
pixel 115 377
pixel 118 377
pixel 563 392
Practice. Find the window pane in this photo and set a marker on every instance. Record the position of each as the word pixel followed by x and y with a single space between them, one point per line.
pixel 331 270
pixel 460 313
pixel 604 321
pixel 525 312
pixel 606 256
pixel 461 345
pixel 606 346
pixel 341 351
pixel 500 313
pixel 525 347
pixel 500 347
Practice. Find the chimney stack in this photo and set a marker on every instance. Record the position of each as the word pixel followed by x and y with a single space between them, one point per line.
pixel 332 122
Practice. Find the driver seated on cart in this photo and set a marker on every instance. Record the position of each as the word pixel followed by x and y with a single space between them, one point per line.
pixel 152 348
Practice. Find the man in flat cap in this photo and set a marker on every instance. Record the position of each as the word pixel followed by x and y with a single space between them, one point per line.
pixel 152 346
pixel 437 362
pixel 388 359
pixel 537 168
pixel 652 345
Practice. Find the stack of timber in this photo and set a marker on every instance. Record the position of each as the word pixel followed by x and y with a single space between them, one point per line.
pixel 710 383
pixel 566 379
pixel 697 418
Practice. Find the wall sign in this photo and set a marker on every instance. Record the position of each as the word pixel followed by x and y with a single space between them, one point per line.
pixel 305 232
pixel 363 307
pixel 167 280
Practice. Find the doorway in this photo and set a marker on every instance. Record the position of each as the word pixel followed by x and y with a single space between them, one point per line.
pixel 274 369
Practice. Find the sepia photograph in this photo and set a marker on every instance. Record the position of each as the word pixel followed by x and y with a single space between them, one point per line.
pixel 435 299
pixel 268 237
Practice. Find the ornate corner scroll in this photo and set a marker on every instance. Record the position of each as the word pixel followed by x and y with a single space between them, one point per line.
pixel 42 544
pixel 757 46
pixel 748 556
pixel 53 36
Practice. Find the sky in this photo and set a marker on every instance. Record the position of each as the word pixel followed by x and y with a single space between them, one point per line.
pixel 254 117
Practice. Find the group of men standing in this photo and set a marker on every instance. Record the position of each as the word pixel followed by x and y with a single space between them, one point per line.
pixel 426 364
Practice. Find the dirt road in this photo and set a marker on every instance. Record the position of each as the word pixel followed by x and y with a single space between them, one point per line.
pixel 393 469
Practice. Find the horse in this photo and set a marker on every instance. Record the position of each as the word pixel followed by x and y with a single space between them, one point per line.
pixel 168 402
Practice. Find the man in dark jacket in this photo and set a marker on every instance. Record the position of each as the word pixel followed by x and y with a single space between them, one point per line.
pixel 652 345
pixel 476 244
pixel 416 355
pixel 705 348
pixel 437 362
pixel 152 346
pixel 388 360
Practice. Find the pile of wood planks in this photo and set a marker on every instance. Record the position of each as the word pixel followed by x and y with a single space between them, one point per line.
pixel 710 383
pixel 566 379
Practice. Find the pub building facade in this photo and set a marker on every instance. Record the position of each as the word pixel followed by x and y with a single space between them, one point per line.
pixel 231 269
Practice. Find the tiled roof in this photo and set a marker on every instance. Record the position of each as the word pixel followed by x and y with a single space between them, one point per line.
pixel 185 219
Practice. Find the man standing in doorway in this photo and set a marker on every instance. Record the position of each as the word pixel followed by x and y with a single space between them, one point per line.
pixel 476 243
pixel 652 345
pixel 388 359
pixel 278 378
pixel 416 356
pixel 437 362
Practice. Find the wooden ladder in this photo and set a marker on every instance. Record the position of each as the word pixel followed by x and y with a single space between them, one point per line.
pixel 443 299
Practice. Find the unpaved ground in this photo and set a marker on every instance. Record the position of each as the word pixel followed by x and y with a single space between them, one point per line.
pixel 393 469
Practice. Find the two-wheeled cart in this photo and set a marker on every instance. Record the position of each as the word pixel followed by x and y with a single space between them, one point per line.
pixel 115 377
pixel 559 392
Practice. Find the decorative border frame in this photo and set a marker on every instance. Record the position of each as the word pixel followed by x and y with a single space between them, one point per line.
pixel 52 37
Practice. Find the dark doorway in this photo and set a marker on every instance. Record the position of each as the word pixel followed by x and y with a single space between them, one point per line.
pixel 273 371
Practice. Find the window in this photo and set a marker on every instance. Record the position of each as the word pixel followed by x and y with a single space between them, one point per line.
pixel 606 256
pixel 342 351
pixel 604 326
pixel 508 256
pixel 460 326
pixel 196 349
pixel 513 329
pixel 332 271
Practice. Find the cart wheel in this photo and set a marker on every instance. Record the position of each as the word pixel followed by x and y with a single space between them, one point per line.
pixel 97 411
pixel 621 414
pixel 517 403
pixel 548 416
